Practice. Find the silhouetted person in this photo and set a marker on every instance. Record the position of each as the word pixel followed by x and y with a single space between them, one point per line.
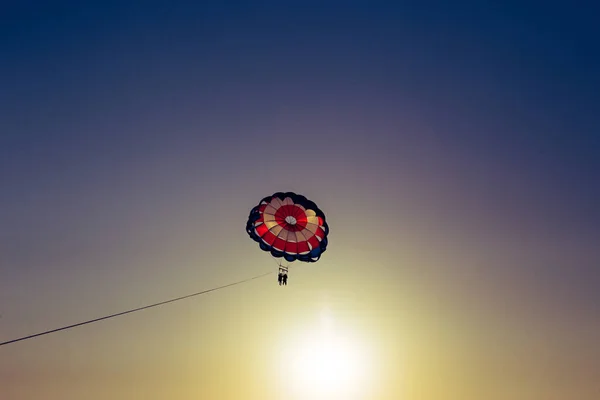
pixel 280 278
pixel 285 279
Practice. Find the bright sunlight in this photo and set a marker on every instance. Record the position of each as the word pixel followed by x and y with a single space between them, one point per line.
pixel 325 364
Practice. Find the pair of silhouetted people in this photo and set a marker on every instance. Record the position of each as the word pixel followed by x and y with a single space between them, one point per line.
pixel 282 278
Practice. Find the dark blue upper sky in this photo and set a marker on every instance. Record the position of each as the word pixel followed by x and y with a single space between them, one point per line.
pixel 514 85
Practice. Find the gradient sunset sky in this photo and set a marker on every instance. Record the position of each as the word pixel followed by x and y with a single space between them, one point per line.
pixel 453 146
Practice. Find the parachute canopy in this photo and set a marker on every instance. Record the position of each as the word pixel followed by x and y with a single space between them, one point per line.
pixel 289 225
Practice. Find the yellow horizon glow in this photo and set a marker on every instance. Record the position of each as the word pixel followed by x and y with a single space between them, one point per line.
pixel 325 363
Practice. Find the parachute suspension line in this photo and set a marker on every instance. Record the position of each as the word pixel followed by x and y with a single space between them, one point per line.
pixel 279 263
pixel 133 310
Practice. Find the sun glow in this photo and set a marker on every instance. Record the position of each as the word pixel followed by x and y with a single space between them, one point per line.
pixel 325 364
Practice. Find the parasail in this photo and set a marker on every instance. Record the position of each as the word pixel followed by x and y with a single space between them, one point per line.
pixel 289 225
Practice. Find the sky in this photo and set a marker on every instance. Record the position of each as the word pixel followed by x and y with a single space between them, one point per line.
pixel 454 148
